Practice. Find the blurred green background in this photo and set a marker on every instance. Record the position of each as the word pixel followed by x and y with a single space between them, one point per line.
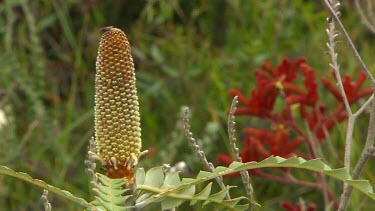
pixel 186 53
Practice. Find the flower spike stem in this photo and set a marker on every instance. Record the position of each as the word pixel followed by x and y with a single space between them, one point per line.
pixel 202 157
pixel 236 156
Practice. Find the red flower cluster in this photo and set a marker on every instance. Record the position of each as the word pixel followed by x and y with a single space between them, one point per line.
pixel 296 83
pixel 289 207
pixel 352 89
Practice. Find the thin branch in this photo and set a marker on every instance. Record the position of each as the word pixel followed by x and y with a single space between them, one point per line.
pixel 289 179
pixel 370 10
pixel 366 154
pixel 364 106
pixel 202 157
pixel 364 19
pixel 354 50
pixel 331 44
pixel 235 152
pixel 331 32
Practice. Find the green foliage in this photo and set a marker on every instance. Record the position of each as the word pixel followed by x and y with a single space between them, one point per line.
pixel 171 191
pixel 110 194
pixel 186 53
pixel 155 186
pixel 23 176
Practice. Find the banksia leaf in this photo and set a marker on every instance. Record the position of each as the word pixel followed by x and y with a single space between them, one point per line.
pixel 117 120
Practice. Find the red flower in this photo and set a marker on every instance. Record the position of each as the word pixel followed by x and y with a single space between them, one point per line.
pixel 289 207
pixel 268 83
pixel 352 89
pixel 310 97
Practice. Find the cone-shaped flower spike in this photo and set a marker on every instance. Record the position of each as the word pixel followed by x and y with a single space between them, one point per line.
pixel 117 120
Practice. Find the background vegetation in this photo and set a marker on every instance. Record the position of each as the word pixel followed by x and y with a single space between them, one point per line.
pixel 186 53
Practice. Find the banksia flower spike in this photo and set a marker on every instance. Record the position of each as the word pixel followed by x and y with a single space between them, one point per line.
pixel 117 120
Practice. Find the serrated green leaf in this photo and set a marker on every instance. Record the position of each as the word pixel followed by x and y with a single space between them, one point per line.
pixel 315 164
pixel 187 180
pixel 23 176
pixel 235 164
pixel 338 173
pixel 268 161
pixel 154 177
pixel 220 169
pixel 360 184
pixel 110 206
pixel 293 161
pixel 203 194
pixel 112 183
pixel 110 193
pixel 106 189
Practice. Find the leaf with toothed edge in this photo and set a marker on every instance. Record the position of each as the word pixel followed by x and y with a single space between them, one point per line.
pixel 271 162
pixel 23 176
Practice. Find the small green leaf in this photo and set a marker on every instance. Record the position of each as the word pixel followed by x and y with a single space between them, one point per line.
pixel 219 196
pixel 172 179
pixel 140 176
pixel 203 174
pixel 170 203
pixel 154 177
